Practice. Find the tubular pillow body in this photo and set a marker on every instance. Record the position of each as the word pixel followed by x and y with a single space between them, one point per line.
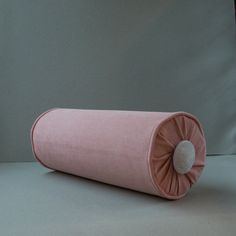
pixel 158 153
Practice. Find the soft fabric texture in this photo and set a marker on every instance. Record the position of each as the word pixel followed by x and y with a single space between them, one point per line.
pixel 184 157
pixel 131 149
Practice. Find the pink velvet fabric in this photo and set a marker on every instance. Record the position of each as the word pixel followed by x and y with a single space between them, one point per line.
pixel 131 149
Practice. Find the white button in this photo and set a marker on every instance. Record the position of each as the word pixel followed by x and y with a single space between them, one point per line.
pixel 184 157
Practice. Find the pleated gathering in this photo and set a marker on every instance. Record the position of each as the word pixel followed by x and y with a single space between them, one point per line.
pixel 169 182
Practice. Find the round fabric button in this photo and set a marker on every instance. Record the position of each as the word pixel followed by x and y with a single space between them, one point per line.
pixel 184 157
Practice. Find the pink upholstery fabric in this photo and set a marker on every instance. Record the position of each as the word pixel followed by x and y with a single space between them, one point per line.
pixel 130 149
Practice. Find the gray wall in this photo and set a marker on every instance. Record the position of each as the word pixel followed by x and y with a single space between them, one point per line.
pixel 160 55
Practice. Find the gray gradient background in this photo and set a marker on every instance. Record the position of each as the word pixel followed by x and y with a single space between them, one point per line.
pixel 160 55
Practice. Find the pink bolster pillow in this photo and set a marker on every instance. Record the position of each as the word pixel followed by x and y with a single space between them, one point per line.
pixel 158 153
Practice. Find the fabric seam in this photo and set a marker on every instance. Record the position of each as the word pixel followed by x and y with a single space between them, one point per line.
pixel 32 134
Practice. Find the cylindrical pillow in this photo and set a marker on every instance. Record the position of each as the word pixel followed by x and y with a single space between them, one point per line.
pixel 159 153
